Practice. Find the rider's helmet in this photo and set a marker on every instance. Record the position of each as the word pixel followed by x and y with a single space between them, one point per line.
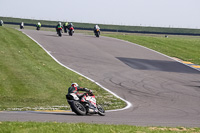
pixel 59 23
pixel 74 85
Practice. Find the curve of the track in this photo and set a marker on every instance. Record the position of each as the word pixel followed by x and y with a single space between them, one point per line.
pixel 163 92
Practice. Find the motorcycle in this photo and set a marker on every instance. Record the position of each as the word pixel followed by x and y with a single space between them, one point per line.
pixel 59 31
pixel 38 27
pixel 97 32
pixel 21 27
pixel 65 28
pixel 84 107
pixel 71 31
pixel 1 22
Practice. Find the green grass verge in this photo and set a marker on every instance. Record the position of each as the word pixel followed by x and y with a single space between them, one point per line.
pixel 53 127
pixel 30 79
pixel 186 48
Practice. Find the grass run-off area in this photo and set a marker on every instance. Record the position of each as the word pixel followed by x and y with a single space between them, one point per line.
pixel 54 127
pixel 186 48
pixel 31 80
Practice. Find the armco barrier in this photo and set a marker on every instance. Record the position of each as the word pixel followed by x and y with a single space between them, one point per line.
pixel 111 30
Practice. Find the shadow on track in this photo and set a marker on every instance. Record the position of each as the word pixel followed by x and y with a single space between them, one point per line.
pixel 62 113
pixel 157 65
pixel 54 113
pixel 63 35
pixel 52 35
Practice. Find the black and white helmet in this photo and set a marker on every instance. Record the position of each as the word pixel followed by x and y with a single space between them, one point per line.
pixel 74 85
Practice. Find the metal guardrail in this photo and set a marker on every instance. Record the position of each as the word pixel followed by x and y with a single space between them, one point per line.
pixel 110 30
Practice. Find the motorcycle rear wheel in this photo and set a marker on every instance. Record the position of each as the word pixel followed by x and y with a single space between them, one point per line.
pixel 71 33
pixel 60 34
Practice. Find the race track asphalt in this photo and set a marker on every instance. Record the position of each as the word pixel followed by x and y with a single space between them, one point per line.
pixel 163 92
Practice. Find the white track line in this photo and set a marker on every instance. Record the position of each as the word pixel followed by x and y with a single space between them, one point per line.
pixel 127 102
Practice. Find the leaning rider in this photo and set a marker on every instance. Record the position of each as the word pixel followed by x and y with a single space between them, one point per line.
pixel 74 88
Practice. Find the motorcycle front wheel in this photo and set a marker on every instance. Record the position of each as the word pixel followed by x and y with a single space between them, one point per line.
pixel 78 108
pixel 97 33
pixel 101 111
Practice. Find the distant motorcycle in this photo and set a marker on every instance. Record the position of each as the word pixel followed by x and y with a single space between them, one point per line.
pixel 97 32
pixel 21 27
pixel 65 28
pixel 89 106
pixel 1 22
pixel 38 27
pixel 71 31
pixel 59 31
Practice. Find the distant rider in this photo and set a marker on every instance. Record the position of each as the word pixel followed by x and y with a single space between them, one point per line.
pixel 96 27
pixel 39 24
pixel 70 25
pixel 65 26
pixel 58 26
pixel 74 88
pixel 22 25
pixel 1 23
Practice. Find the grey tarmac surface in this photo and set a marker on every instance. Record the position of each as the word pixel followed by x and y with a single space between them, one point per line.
pixel 163 92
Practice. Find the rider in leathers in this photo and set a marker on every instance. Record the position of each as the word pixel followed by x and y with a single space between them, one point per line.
pixel 38 24
pixel 58 26
pixel 96 27
pixel 70 25
pixel 74 88
pixel 22 25
pixel 65 26
pixel 1 23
